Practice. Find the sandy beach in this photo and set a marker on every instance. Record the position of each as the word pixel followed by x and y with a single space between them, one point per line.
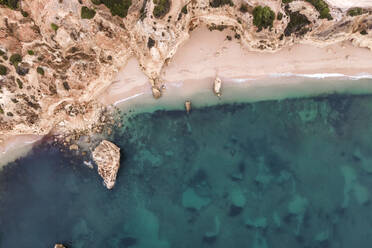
pixel 209 54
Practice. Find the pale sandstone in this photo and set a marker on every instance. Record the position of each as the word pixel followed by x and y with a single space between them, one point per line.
pixel 107 157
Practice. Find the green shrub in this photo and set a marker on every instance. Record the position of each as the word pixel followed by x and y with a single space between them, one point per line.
pixel 31 52
pixel 15 59
pixel 297 23
pixel 116 7
pixel 279 16
pixel 24 13
pixel 3 70
pixel 243 8
pixel 20 84
pixel 150 43
pixel 355 11
pixel 2 52
pixel 40 70
pixel 263 17
pixel 87 13
pixel 322 8
pixel 54 26
pixel 66 86
pixel 143 11
pixel 219 3
pixel 161 8
pixel 13 4
pixel 320 5
pixel 184 9
pixel 363 32
pixel 1 110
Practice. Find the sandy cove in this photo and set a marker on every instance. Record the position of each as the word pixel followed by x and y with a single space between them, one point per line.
pixel 209 54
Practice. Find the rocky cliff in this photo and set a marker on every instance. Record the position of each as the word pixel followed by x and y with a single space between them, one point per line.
pixel 57 56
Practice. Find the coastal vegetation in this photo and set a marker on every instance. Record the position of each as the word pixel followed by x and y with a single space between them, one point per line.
pixel 161 8
pixel 243 8
pixel 150 43
pixel 320 5
pixel 20 83
pixel 355 11
pixel 54 26
pixel 263 17
pixel 116 7
pixel 40 70
pixel 13 4
pixel 87 13
pixel 220 3
pixel 15 59
pixel 143 11
pixel 279 16
pixel 217 27
pixel 297 24
pixel 3 70
pixel 66 86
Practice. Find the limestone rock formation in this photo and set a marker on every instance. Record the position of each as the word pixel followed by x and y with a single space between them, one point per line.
pixel 107 157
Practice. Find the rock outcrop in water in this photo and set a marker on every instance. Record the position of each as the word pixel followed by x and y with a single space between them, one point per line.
pixel 107 157
pixel 59 246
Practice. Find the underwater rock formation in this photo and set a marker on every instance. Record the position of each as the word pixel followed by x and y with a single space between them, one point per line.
pixel 107 157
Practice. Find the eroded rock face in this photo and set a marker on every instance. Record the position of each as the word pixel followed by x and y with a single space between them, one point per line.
pixel 107 157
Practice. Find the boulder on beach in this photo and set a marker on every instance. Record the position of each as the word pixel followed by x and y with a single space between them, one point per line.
pixel 217 86
pixel 107 157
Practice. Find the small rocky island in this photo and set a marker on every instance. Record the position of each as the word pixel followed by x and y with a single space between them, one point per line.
pixel 107 157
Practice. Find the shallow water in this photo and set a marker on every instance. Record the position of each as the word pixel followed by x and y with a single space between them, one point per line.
pixel 290 173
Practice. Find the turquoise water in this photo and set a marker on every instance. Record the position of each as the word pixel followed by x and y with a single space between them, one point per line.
pixel 290 173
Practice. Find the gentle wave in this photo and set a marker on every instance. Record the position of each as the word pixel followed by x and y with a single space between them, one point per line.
pixel 323 75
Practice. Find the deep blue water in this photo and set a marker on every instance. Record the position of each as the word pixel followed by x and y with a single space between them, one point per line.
pixel 291 173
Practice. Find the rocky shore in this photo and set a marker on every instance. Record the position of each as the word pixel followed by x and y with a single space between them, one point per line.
pixel 57 59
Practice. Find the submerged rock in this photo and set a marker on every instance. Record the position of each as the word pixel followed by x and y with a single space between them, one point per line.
pixel 193 201
pixel 107 157
pixel 211 236
pixel 260 223
pixel 237 202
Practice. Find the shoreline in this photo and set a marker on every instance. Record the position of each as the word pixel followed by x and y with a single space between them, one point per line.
pixel 206 55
